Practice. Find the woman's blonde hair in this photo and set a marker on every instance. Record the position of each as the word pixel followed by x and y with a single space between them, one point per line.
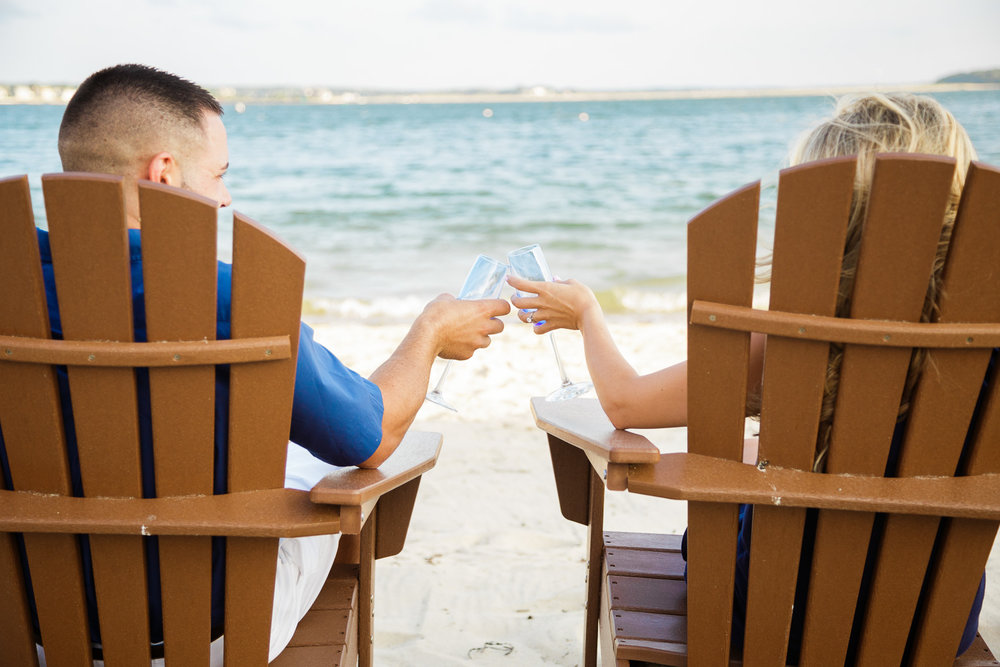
pixel 866 125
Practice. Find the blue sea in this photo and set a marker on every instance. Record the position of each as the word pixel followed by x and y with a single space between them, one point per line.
pixel 390 204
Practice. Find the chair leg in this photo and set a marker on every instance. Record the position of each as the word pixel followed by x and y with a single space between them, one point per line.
pixel 595 552
pixel 366 593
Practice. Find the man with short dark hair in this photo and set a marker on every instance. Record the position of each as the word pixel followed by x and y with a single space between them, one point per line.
pixel 138 122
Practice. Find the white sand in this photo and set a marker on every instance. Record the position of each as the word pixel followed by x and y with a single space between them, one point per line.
pixel 492 573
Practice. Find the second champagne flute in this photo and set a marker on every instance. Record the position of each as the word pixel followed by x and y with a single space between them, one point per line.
pixel 529 263
pixel 485 280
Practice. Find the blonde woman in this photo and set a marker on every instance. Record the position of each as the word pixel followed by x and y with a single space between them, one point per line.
pixel 860 125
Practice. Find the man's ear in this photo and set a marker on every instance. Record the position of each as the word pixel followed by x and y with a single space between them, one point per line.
pixel 163 168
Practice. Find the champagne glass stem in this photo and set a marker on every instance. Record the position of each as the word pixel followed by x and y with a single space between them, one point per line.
pixel 440 382
pixel 435 395
pixel 562 370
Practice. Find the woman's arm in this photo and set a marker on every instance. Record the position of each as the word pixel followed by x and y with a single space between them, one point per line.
pixel 630 400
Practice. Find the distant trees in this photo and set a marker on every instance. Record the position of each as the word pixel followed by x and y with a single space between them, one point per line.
pixel 984 76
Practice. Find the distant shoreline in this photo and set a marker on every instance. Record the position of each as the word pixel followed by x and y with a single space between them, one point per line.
pixel 39 94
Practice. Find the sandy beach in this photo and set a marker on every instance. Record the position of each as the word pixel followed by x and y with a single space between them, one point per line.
pixel 491 573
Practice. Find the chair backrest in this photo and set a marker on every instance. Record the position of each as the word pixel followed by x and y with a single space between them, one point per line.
pixel 122 393
pixel 920 573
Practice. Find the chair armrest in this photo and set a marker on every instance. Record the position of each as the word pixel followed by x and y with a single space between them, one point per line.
pixel 357 490
pixel 685 476
pixel 583 424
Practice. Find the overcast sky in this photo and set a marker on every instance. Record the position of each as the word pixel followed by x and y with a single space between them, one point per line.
pixel 497 44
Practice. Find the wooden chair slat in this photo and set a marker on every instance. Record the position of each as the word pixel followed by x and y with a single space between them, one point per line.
pixel 721 264
pixel 711 567
pixel 267 513
pixel 186 599
pixel 172 227
pixel 119 562
pixel 811 220
pixel 774 567
pixel 660 596
pixel 97 354
pixel 970 293
pixel 250 568
pixel 979 200
pixel 811 224
pixel 30 414
pixel 31 419
pixel 258 419
pixel 311 656
pixel 833 592
pixel 959 562
pixel 643 563
pixel 180 227
pixel 35 453
pixel 682 476
pixel 20 266
pixel 907 543
pixel 57 582
pixel 341 588
pixel 644 651
pixel 645 541
pixel 641 625
pixel 320 626
pixel 16 634
pixel 95 302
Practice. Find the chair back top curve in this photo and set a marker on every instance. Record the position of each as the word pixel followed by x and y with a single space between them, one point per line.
pixel 139 365
pixel 920 572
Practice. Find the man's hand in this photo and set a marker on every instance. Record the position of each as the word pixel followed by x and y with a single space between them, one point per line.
pixel 459 328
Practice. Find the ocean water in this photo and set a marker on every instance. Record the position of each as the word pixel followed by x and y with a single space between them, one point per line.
pixel 391 203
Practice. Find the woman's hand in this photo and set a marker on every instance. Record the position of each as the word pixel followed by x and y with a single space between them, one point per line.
pixel 559 304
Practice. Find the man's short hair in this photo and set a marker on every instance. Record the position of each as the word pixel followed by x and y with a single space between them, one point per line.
pixel 125 114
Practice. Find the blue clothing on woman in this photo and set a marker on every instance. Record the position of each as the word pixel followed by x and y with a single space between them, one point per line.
pixel 336 415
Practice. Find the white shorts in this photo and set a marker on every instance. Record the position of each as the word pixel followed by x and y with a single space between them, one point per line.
pixel 303 565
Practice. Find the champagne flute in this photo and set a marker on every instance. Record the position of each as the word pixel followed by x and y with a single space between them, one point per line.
pixel 529 263
pixel 485 280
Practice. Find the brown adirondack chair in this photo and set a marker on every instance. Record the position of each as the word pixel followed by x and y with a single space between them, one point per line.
pixel 931 527
pixel 90 252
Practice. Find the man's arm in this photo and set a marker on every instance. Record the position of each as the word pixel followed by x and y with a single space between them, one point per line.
pixel 448 328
